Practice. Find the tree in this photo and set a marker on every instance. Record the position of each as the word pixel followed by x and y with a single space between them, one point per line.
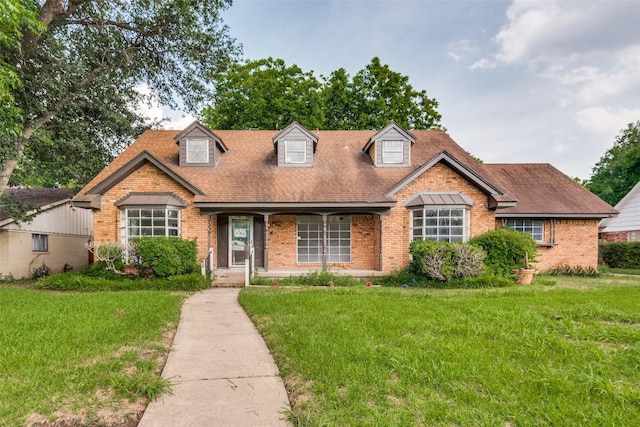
pixel 264 94
pixel 267 94
pixel 77 78
pixel 618 170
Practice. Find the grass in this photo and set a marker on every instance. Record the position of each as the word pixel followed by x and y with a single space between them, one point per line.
pixel 82 358
pixel 566 354
pixel 632 271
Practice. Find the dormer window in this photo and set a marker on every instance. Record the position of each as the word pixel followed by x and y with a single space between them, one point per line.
pixel 197 151
pixel 392 152
pixel 295 146
pixel 391 147
pixel 295 151
pixel 199 146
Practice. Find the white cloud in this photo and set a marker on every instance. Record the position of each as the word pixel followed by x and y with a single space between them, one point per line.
pixel 483 64
pixel 606 121
pixel 178 123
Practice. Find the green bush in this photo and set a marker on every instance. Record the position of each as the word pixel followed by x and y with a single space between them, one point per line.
pixel 166 256
pixel 445 261
pixel 324 278
pixel 567 270
pixel 620 254
pixel 77 281
pixel 505 249
pixel 407 279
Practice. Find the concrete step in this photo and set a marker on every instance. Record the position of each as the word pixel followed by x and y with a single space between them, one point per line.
pixel 229 279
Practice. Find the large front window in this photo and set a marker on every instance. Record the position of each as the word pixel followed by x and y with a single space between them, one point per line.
pixel 532 226
pixel 442 224
pixel 310 239
pixel 152 222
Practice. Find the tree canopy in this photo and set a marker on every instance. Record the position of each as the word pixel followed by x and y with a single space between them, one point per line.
pixel 73 68
pixel 618 170
pixel 268 94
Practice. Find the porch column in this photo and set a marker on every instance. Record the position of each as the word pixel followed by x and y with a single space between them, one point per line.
pixel 324 242
pixel 266 242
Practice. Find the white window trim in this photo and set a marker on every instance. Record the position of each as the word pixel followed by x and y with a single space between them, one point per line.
pixel 466 221
pixel 190 151
pixel 125 229
pixel 384 145
pixel 519 225
pixel 287 151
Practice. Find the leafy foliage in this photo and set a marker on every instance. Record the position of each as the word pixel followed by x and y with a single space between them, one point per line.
pixel 268 94
pixel 618 170
pixel 166 256
pixel 445 261
pixel 75 82
pixel 568 270
pixel 324 278
pixel 83 281
pixel 18 209
pixel 407 279
pixel 620 254
pixel 505 249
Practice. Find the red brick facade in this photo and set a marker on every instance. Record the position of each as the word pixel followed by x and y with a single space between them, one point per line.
pixel 616 236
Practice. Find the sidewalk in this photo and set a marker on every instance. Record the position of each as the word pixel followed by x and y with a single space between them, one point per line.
pixel 221 371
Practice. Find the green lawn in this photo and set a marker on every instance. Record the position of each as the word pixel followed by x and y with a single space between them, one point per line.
pixel 563 355
pixel 82 358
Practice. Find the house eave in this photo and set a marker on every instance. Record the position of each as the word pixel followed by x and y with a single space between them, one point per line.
pixel 555 215
pixel 213 208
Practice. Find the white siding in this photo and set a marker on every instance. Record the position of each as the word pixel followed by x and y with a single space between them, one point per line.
pixel 629 217
pixel 61 219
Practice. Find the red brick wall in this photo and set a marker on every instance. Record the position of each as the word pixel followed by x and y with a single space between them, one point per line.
pixel 148 178
pixel 283 241
pixel 616 236
pixel 576 244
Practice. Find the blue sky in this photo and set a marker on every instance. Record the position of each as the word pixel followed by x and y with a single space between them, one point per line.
pixel 517 81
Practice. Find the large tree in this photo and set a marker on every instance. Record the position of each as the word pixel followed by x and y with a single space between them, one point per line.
pixel 76 80
pixel 619 169
pixel 268 94
pixel 264 94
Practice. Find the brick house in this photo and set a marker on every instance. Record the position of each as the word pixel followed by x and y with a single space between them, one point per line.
pixel 626 226
pixel 341 200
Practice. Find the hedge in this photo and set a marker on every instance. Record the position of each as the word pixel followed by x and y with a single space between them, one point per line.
pixel 620 254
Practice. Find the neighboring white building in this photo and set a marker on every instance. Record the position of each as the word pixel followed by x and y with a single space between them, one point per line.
pixel 55 236
pixel 626 226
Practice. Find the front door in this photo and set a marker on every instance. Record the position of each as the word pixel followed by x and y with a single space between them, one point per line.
pixel 240 240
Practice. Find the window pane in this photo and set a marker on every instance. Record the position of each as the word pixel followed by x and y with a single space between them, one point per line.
pixel 392 151
pixel 295 151
pixel 39 242
pixel 197 151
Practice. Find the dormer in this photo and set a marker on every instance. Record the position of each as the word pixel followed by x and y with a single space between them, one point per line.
pixel 295 146
pixel 391 147
pixel 199 146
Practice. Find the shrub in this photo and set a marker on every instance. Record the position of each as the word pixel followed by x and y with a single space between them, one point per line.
pixel 76 281
pixel 567 270
pixel 407 279
pixel 445 261
pixel 324 278
pixel 41 271
pixel 620 254
pixel 166 256
pixel 505 249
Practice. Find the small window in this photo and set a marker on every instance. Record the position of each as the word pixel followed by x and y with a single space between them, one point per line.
pixel 295 151
pixel 393 152
pixel 40 242
pixel 531 226
pixel 197 151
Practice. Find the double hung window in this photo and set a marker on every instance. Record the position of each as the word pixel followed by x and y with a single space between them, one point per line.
pixel 442 224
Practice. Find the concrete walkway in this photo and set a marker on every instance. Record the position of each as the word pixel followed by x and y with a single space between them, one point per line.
pixel 221 371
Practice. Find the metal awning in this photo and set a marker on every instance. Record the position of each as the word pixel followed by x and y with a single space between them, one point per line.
pixel 439 199
pixel 152 199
